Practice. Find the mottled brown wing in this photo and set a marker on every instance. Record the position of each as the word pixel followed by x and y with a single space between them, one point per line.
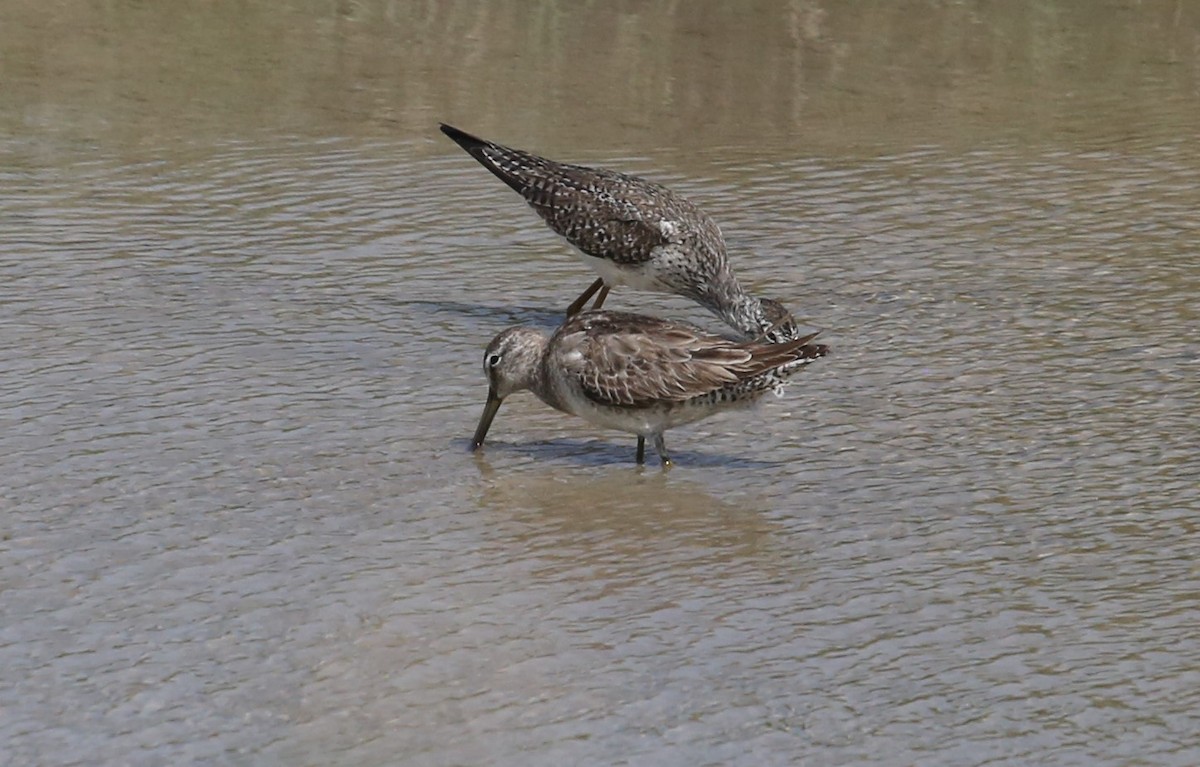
pixel 632 360
pixel 609 216
pixel 603 213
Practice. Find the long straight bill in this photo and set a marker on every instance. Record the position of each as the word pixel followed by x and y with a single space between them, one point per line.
pixel 485 421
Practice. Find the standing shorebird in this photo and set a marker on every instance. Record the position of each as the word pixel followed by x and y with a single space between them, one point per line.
pixel 631 232
pixel 636 373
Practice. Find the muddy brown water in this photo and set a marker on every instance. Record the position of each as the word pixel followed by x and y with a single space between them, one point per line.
pixel 244 290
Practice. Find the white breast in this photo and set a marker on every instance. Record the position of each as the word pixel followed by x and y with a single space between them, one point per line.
pixel 638 277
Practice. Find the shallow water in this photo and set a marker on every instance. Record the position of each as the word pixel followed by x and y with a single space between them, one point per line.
pixel 244 290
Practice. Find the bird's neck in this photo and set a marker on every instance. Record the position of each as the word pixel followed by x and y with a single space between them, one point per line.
pixel 740 310
pixel 542 382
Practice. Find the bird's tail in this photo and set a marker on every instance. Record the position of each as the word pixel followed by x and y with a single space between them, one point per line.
pixel 512 166
pixel 802 352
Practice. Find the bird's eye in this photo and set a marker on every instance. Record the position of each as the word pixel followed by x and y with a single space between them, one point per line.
pixel 492 360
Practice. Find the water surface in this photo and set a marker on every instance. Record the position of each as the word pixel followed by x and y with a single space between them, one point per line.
pixel 244 290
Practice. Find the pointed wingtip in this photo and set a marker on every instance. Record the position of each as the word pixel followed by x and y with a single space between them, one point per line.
pixel 805 349
pixel 808 338
pixel 485 152
pixel 461 137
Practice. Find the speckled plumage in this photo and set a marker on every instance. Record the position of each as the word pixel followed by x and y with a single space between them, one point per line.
pixel 631 231
pixel 636 373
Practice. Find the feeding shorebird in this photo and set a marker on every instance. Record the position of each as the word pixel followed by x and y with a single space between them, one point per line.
pixel 636 373
pixel 632 232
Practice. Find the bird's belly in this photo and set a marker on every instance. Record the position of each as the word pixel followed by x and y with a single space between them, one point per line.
pixel 636 276
pixel 652 419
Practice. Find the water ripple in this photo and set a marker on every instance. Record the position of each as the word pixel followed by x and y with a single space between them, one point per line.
pixel 238 386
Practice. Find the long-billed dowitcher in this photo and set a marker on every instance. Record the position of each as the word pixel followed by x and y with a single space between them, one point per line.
pixel 631 232
pixel 636 373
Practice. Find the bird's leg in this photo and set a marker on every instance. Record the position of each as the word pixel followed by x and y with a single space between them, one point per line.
pixel 641 451
pixel 578 303
pixel 600 298
pixel 661 446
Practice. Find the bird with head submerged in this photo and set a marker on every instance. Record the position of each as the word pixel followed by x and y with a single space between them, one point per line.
pixel 636 373
pixel 632 232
